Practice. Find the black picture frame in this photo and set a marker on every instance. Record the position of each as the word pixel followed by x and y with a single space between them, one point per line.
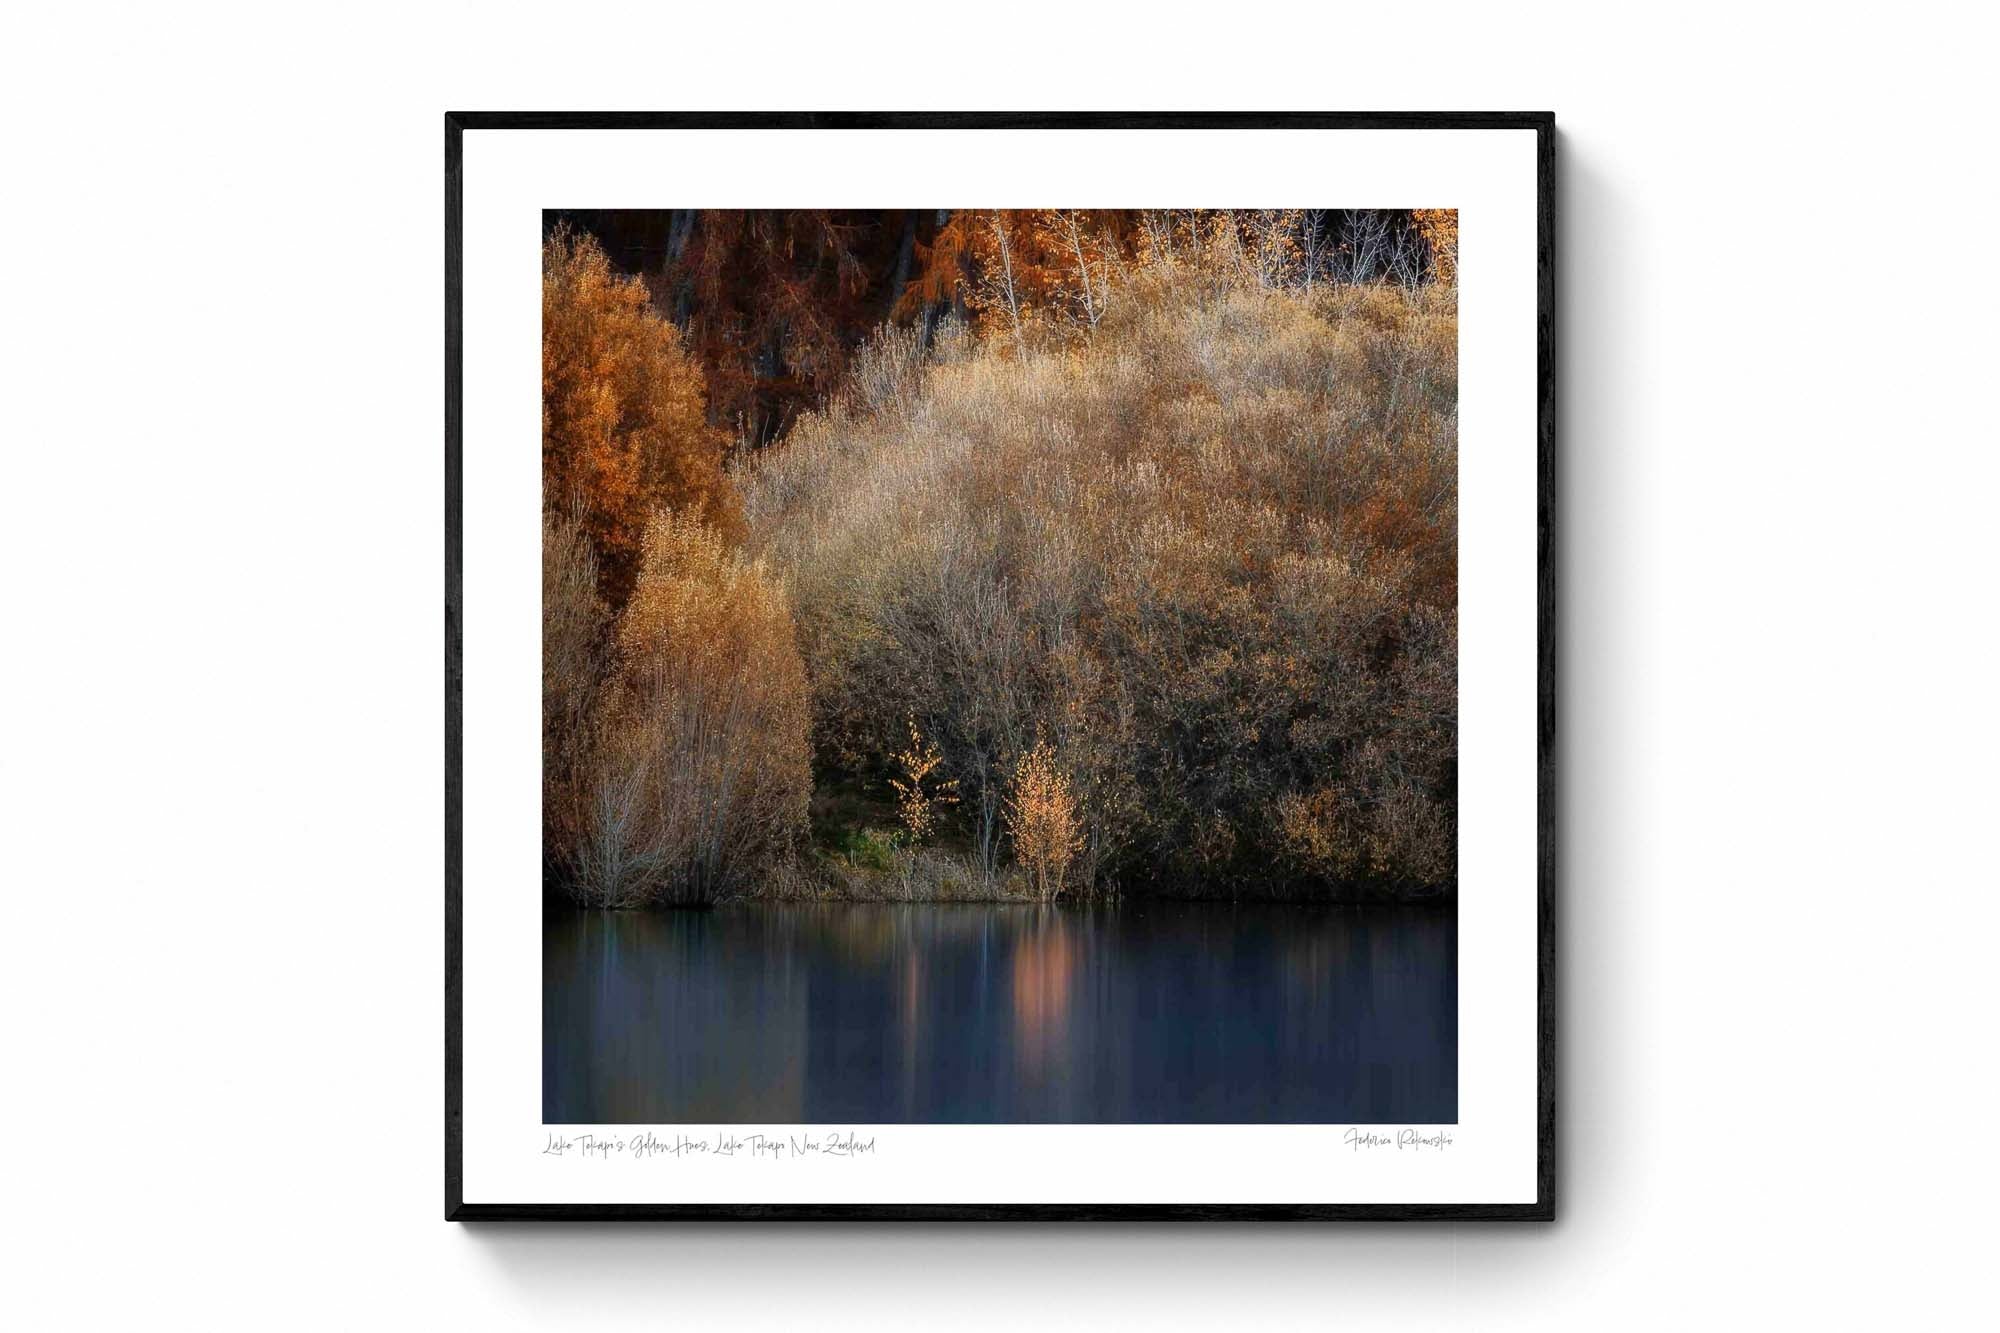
pixel 1543 1208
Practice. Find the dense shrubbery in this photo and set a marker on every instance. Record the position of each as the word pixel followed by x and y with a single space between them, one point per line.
pixel 1145 580
pixel 1205 547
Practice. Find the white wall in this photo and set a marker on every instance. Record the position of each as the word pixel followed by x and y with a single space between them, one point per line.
pixel 220 769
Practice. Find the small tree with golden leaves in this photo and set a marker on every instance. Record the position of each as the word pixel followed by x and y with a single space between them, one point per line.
pixel 921 808
pixel 1042 818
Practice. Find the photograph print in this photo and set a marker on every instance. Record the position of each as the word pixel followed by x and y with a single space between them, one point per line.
pixel 1000 666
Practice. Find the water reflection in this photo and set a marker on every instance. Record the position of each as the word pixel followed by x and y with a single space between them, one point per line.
pixel 1044 967
pixel 952 1013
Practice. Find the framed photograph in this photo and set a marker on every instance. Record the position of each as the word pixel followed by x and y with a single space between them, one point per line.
pixel 1016 683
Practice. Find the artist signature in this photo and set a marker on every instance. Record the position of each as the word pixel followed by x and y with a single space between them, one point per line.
pixel 1402 1140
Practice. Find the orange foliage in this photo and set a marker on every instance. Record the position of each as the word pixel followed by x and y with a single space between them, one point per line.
pixel 624 428
pixel 1439 228
pixel 771 300
pixel 1019 270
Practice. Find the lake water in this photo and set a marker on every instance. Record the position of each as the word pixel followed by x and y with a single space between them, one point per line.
pixel 882 1013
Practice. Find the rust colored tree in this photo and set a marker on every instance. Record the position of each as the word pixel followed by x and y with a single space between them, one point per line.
pixel 624 413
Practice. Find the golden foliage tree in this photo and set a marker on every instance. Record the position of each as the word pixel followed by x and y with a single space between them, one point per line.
pixel 706 770
pixel 1439 228
pixel 1042 818
pixel 624 423
pixel 921 807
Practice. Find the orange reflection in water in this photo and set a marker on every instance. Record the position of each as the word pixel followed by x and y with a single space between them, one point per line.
pixel 1044 968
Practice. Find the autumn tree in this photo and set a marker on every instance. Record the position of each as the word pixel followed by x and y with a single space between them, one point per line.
pixel 1042 818
pixel 921 798
pixel 774 301
pixel 697 769
pixel 624 421
pixel 940 275
pixel 1082 247
pixel 1439 228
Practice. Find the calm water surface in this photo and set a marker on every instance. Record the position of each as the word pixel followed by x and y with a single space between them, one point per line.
pixel 866 1014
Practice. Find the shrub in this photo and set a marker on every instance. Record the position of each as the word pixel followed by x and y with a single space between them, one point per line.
pixel 699 778
pixel 869 849
pixel 576 666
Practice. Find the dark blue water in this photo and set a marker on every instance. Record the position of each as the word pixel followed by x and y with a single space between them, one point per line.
pixel 867 1014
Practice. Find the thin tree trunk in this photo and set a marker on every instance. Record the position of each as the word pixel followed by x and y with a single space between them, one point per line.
pixel 1007 274
pixel 1082 270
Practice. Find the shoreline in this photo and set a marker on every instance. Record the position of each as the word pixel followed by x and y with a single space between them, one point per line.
pixel 554 901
